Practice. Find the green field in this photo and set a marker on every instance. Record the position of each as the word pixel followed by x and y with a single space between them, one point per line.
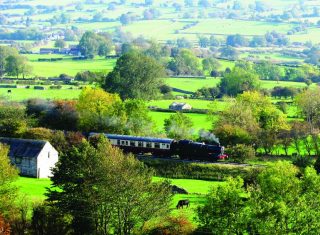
pixel 231 26
pixel 191 84
pixel 200 121
pixel 35 189
pixel 20 94
pixel 68 66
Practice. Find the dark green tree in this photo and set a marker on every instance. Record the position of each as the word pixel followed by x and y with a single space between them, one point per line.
pixel 105 191
pixel 238 81
pixel 135 76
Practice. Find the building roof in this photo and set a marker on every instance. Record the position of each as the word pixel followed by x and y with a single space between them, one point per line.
pixel 178 104
pixel 23 147
pixel 137 138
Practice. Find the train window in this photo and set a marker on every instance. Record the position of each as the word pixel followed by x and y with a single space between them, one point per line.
pixel 118 142
pixel 168 146
pixel 127 143
pixel 132 143
pixel 140 144
pixel 149 145
pixel 157 145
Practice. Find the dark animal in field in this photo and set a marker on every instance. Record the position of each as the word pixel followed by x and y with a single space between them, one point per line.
pixel 9 91
pixel 182 203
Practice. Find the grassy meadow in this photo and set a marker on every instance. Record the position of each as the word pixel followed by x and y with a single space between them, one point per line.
pixel 20 94
pixel 67 65
pixel 34 189
pixel 200 121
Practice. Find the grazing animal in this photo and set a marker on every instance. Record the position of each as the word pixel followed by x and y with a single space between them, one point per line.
pixel 9 91
pixel 182 203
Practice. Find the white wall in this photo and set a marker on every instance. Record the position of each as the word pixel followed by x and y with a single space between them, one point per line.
pixel 46 160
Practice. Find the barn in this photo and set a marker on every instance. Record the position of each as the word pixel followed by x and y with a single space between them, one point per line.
pixel 33 158
pixel 180 106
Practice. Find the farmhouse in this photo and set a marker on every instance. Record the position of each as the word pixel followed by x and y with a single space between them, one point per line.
pixel 45 51
pixel 33 158
pixel 180 106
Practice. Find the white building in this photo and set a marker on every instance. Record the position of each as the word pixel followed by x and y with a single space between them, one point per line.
pixel 180 106
pixel 34 158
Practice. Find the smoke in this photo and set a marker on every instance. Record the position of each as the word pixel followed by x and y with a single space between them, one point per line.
pixel 208 136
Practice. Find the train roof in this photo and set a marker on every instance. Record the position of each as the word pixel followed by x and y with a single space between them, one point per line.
pixel 137 138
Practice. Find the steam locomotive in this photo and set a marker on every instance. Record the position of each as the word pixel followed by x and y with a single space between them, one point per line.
pixel 185 149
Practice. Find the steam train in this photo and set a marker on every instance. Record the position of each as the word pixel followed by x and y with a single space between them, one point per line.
pixel 185 149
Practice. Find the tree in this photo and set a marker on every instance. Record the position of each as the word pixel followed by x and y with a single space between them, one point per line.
pixel 229 52
pixel 16 65
pixel 224 211
pixel 60 43
pixel 238 81
pixel 5 52
pixel 268 71
pixel 135 76
pixel 185 63
pixel 104 190
pixel 13 121
pixel 210 64
pixel 8 174
pixel 308 103
pixel 92 44
pixel 204 42
pixel 95 107
pixel 138 121
pixel 236 41
pixel 178 126
pixel 276 201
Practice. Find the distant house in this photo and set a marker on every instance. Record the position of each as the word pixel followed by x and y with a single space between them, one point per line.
pixel 34 158
pixel 180 106
pixel 74 50
pixel 45 51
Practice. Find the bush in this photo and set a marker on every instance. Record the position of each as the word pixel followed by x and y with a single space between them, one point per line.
pixel 50 220
pixel 38 133
pixel 183 170
pixel 241 152
pixel 170 225
pixel 302 161
pixel 56 87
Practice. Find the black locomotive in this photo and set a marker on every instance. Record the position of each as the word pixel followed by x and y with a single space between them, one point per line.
pixel 185 149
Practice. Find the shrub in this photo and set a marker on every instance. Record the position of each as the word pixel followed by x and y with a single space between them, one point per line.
pixel 183 170
pixel 302 161
pixel 38 133
pixel 241 152
pixel 4 227
pixel 170 225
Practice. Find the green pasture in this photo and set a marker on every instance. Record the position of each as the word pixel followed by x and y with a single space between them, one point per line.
pixel 312 34
pixel 191 84
pixel 276 57
pixel 200 121
pixel 232 26
pixel 69 66
pixel 155 29
pixel 35 189
pixel 271 84
pixel 20 94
